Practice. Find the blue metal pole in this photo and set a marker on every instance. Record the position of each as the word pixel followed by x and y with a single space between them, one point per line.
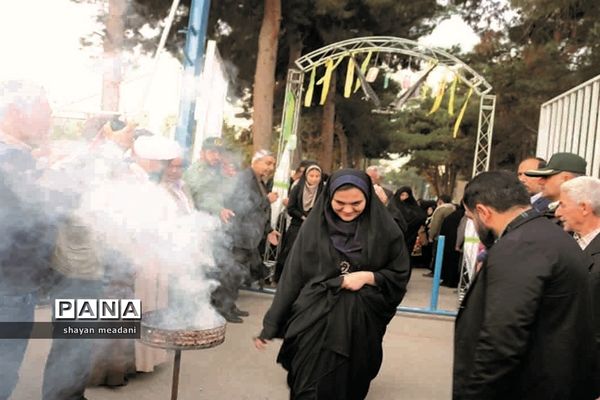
pixel 439 257
pixel 193 60
pixel 427 311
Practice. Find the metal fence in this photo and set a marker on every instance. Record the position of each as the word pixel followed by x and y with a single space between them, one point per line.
pixel 570 122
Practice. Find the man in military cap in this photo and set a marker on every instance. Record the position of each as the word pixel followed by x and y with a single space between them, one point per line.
pixel 209 185
pixel 561 168
pixel 205 177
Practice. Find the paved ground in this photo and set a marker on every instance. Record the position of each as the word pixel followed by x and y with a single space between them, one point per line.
pixel 417 360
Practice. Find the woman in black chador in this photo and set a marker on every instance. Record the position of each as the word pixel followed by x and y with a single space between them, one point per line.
pixel 302 197
pixel 404 204
pixel 340 287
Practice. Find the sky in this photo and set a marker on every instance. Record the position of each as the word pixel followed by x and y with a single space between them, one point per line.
pixel 40 41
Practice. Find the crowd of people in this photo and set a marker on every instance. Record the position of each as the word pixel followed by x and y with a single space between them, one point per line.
pixel 527 328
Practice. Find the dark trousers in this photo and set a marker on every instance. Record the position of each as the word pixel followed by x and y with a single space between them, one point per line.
pixel 233 272
pixel 14 309
pixel 70 360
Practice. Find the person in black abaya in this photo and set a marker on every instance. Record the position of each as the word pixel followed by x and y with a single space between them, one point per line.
pixel 451 262
pixel 404 203
pixel 340 287
pixel 302 199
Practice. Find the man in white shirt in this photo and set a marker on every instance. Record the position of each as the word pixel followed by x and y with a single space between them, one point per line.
pixel 579 210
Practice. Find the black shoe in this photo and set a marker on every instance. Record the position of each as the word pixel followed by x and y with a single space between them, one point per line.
pixel 428 275
pixel 238 312
pixel 230 317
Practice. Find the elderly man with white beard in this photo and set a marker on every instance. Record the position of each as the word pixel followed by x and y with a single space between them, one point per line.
pixel 579 211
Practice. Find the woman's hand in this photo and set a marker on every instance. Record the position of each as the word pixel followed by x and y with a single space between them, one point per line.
pixel 356 280
pixel 260 344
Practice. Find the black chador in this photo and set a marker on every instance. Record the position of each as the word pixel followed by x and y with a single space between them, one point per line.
pixel 332 336
pixel 408 214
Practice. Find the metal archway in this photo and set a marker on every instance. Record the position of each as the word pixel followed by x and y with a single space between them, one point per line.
pixel 389 44
pixel 381 44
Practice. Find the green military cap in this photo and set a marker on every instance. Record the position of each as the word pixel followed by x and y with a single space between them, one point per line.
pixel 561 162
pixel 213 143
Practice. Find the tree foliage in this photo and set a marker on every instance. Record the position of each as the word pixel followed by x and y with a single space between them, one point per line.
pixel 428 139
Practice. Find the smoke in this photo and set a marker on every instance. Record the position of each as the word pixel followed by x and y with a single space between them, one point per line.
pixel 139 220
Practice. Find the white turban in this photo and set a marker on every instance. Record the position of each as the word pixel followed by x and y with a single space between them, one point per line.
pixel 156 148
pixel 261 154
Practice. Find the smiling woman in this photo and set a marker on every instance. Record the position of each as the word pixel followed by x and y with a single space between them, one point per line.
pixel 340 287
pixel 348 202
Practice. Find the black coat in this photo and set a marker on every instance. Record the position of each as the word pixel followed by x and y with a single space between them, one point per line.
pixel 593 250
pixel 251 207
pixel 408 215
pixel 524 328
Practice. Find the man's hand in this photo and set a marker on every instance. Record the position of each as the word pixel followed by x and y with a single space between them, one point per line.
pixel 381 194
pixel 356 280
pixel 226 215
pixel 285 201
pixel 272 197
pixel 260 344
pixel 273 237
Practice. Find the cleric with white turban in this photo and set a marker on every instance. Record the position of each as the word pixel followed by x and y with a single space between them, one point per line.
pixel 152 155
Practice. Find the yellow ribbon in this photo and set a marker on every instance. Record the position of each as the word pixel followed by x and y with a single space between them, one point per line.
pixel 325 81
pixel 330 66
pixel 461 114
pixel 363 68
pixel 452 95
pixel 311 88
pixel 438 100
pixel 349 78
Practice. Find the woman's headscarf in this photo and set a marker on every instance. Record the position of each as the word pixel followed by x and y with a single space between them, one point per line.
pixel 346 236
pixel 310 192
pixel 411 198
pixel 407 210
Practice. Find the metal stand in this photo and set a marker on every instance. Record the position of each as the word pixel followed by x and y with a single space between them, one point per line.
pixel 435 288
pixel 175 381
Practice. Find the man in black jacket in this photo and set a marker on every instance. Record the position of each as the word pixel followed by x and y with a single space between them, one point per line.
pixel 247 218
pixel 579 211
pixel 524 329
